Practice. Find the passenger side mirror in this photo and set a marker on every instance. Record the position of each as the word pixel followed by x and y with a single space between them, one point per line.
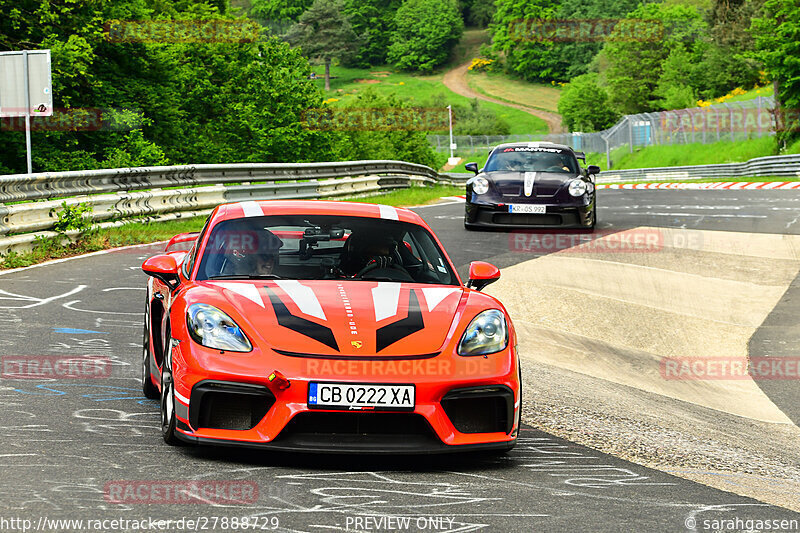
pixel 472 167
pixel 593 169
pixel 162 267
pixel 482 274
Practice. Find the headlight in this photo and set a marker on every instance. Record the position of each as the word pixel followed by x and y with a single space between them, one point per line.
pixel 487 333
pixel 480 185
pixel 214 329
pixel 577 187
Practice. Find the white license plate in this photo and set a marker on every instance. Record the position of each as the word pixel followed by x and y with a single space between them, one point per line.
pixel 360 396
pixel 527 208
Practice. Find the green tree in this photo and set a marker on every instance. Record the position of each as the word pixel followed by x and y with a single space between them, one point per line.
pixel 160 101
pixel 675 85
pixel 531 52
pixel 323 32
pixel 777 36
pixel 637 48
pixel 584 105
pixel 478 12
pixel 426 32
pixel 406 144
pixel 727 61
pixel 270 11
pixel 373 22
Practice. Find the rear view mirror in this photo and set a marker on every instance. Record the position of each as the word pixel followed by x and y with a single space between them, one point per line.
pixel 472 167
pixel 593 169
pixel 164 268
pixel 482 274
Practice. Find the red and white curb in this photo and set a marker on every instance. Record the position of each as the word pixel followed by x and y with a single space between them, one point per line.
pixel 705 186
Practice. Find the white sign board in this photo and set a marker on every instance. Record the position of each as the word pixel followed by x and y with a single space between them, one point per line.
pixel 17 100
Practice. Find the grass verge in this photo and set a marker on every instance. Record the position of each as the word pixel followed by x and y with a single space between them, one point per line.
pixel 689 154
pixel 146 232
pixel 514 91
pixel 423 91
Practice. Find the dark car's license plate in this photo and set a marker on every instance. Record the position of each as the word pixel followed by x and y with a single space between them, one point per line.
pixel 527 208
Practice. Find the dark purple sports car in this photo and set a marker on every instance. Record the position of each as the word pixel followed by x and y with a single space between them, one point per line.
pixel 531 185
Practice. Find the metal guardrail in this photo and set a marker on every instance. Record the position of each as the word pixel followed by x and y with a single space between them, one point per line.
pixel 180 191
pixel 158 192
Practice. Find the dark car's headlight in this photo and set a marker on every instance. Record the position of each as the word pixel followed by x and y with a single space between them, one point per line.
pixel 577 187
pixel 480 185
pixel 487 333
pixel 214 329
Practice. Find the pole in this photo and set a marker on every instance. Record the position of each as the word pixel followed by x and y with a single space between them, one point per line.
pixel 27 109
pixel 450 117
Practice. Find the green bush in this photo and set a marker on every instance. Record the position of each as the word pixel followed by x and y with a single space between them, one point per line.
pixel 73 217
pixel 584 105
pixel 426 32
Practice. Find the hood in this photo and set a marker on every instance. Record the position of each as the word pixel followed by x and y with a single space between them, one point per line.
pixel 524 184
pixel 342 318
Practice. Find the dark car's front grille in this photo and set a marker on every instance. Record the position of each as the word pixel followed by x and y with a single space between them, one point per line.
pixel 480 409
pixel 220 405
pixel 526 219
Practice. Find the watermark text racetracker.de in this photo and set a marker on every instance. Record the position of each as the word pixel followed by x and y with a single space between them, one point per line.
pixel 73 119
pixel 377 119
pixel 586 30
pixel 233 492
pixel 55 367
pixel 730 368
pixel 181 31
pixel 637 240
pixel 186 523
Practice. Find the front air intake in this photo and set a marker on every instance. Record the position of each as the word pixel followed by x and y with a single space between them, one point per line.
pixel 480 409
pixel 222 405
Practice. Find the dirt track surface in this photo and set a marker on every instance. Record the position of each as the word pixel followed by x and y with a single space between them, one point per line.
pixel 456 81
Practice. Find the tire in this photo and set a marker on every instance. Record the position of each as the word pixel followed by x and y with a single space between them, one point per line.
pixel 150 391
pixel 168 409
pixel 168 400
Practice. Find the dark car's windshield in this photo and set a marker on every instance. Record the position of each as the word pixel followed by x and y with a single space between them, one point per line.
pixel 532 159
pixel 323 247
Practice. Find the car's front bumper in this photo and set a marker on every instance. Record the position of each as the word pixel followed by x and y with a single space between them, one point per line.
pixel 282 419
pixel 556 216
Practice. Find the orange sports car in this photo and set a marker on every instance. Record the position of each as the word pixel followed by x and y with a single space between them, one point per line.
pixel 327 327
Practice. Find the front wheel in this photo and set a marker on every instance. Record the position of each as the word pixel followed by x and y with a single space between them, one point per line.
pixel 168 409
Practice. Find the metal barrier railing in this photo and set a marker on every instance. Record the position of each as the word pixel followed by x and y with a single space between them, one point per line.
pixel 119 194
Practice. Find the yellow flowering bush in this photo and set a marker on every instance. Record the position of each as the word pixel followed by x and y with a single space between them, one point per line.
pixel 480 64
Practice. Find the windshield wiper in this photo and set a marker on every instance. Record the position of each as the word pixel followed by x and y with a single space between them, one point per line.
pixel 246 276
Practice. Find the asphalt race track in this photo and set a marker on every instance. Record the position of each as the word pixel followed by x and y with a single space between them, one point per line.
pixel 65 445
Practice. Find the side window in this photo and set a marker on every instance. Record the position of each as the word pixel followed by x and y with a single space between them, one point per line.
pixel 191 257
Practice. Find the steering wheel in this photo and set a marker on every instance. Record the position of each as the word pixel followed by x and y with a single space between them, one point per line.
pixel 380 261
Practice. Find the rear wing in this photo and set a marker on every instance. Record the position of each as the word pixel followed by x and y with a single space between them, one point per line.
pixel 580 155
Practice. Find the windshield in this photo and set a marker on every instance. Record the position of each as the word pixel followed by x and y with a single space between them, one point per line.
pixel 323 247
pixel 530 159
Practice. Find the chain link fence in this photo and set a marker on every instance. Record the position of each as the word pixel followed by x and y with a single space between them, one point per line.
pixel 728 121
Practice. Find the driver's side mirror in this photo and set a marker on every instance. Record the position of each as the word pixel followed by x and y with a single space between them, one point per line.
pixel 162 267
pixel 472 167
pixel 482 274
pixel 593 169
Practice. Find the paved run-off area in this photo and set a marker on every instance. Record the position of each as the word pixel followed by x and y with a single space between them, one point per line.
pixel 633 324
